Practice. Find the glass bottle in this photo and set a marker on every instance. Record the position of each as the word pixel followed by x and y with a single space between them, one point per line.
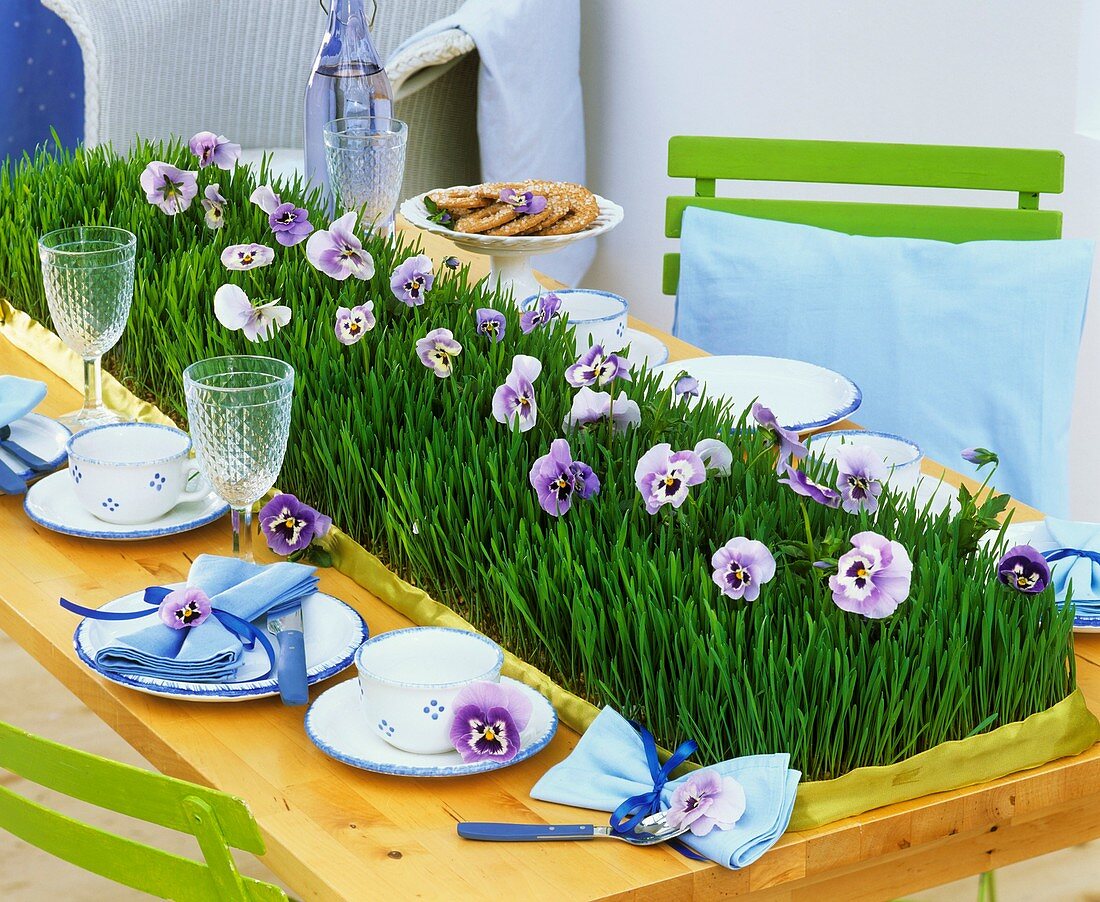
pixel 348 79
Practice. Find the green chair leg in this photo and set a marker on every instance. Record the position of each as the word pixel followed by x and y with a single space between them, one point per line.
pixel 987 887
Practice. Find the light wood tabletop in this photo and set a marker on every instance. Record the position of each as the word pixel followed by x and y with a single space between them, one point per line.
pixel 334 832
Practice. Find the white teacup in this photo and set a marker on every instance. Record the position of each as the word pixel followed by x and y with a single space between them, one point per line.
pixel 901 456
pixel 409 678
pixel 597 317
pixel 133 472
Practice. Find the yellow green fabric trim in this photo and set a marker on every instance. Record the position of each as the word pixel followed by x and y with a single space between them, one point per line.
pixel 1067 728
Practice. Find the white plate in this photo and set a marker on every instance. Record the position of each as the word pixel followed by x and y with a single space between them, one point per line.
pixel 51 502
pixel 802 396
pixel 646 351
pixel 333 632
pixel 40 436
pixel 943 495
pixel 339 728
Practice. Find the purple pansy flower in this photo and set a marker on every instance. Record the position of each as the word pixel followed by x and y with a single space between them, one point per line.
pixel 715 455
pixel 595 367
pixel 546 309
pixel 515 399
pixel 489 721
pixel 980 457
pixel 214 205
pixel 336 251
pixel 452 262
pixel 412 280
pixel 183 608
pixel 861 473
pixel 873 578
pixel 169 188
pixel 247 256
pixel 1024 569
pixel 235 311
pixel 289 525
pixel 525 203
pixel 290 224
pixel 590 407
pixel 216 150
pixel 491 322
pixel 437 351
pixel 685 386
pixel 556 478
pixel 664 477
pixel 741 567
pixel 787 441
pixel 706 801
pixel 352 324
pixel 801 484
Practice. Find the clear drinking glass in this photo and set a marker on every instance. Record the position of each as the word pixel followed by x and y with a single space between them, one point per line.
pixel 238 409
pixel 88 275
pixel 366 164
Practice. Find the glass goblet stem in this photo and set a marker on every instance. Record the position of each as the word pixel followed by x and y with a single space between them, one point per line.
pixel 242 533
pixel 93 384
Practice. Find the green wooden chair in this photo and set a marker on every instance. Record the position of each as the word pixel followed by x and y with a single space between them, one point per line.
pixel 218 821
pixel 1025 173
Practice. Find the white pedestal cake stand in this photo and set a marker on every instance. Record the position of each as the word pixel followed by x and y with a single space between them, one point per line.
pixel 510 255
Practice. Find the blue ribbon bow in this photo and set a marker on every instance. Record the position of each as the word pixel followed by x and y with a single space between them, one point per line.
pixel 248 633
pixel 1058 554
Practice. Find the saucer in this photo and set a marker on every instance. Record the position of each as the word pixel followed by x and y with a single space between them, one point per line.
pixel 42 437
pixel 333 632
pixel 338 727
pixel 646 351
pixel 51 502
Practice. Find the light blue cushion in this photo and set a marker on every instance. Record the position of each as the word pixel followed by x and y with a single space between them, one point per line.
pixel 953 345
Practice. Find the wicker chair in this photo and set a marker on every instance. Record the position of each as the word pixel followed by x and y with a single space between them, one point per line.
pixel 158 68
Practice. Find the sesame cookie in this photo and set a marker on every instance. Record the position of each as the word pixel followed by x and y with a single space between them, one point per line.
pixel 583 211
pixel 486 218
pixel 557 206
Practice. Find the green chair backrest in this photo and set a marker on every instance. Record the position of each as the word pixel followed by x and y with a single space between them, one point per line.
pixel 1027 173
pixel 218 821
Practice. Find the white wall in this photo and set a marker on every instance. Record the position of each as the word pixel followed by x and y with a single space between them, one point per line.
pixel 939 71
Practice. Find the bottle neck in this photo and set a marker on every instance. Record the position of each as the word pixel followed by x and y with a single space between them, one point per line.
pixel 348 41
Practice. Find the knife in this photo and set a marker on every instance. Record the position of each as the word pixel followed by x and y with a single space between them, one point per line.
pixel 18 451
pixel 286 626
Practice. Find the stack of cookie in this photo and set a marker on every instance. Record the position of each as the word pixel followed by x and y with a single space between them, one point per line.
pixel 483 210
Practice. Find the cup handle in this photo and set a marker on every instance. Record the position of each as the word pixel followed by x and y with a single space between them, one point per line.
pixel 195 485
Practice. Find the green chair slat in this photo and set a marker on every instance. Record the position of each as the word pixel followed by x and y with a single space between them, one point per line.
pixel 119 787
pixel 862 163
pixel 119 859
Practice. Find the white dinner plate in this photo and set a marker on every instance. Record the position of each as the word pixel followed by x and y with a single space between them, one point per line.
pixel 339 728
pixel 52 503
pixel 42 437
pixel 803 396
pixel 646 351
pixel 333 632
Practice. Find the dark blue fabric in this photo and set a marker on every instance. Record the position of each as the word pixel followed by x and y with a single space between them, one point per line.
pixel 41 78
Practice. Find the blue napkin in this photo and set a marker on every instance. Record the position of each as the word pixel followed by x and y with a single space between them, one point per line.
pixel 609 765
pixel 18 397
pixel 209 652
pixel 1083 572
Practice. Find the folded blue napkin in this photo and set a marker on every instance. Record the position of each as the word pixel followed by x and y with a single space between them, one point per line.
pixel 209 652
pixel 1080 570
pixel 18 397
pixel 609 765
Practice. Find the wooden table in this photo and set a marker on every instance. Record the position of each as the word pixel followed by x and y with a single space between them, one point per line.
pixel 333 832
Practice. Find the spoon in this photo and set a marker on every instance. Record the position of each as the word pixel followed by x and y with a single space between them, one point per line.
pixel 650 831
pixel 31 460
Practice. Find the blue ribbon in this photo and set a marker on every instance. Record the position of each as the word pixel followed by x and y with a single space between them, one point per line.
pixel 1060 553
pixel 248 633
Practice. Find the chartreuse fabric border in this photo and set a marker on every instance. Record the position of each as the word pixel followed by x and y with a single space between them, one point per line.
pixel 1067 728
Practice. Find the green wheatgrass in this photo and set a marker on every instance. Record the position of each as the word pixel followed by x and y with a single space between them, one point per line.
pixel 613 603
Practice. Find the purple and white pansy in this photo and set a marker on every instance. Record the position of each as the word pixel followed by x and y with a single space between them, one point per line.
pixel 491 322
pixel 290 224
pixel 214 205
pixel 706 801
pixel 514 401
pixel 437 351
pixel 259 322
pixel 240 257
pixel 290 525
pixel 596 367
pixel 183 608
pixel 663 476
pixel 214 150
pixel 686 386
pixel 338 253
pixel 524 203
pixel 591 408
pixel 785 440
pixel 860 475
pixel 412 280
pixel 1024 569
pixel 801 484
pixel 355 322
pixel 715 455
pixel 741 567
pixel 169 188
pixel 545 310
pixel 489 721
pixel 873 578
pixel 557 479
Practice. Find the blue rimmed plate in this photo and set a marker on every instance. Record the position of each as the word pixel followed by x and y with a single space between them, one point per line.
pixel 333 632
pixel 42 437
pixel 339 728
pixel 803 396
pixel 52 503
pixel 646 351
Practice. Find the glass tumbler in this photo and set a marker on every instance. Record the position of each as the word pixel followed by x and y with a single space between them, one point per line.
pixel 366 164
pixel 238 409
pixel 88 276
